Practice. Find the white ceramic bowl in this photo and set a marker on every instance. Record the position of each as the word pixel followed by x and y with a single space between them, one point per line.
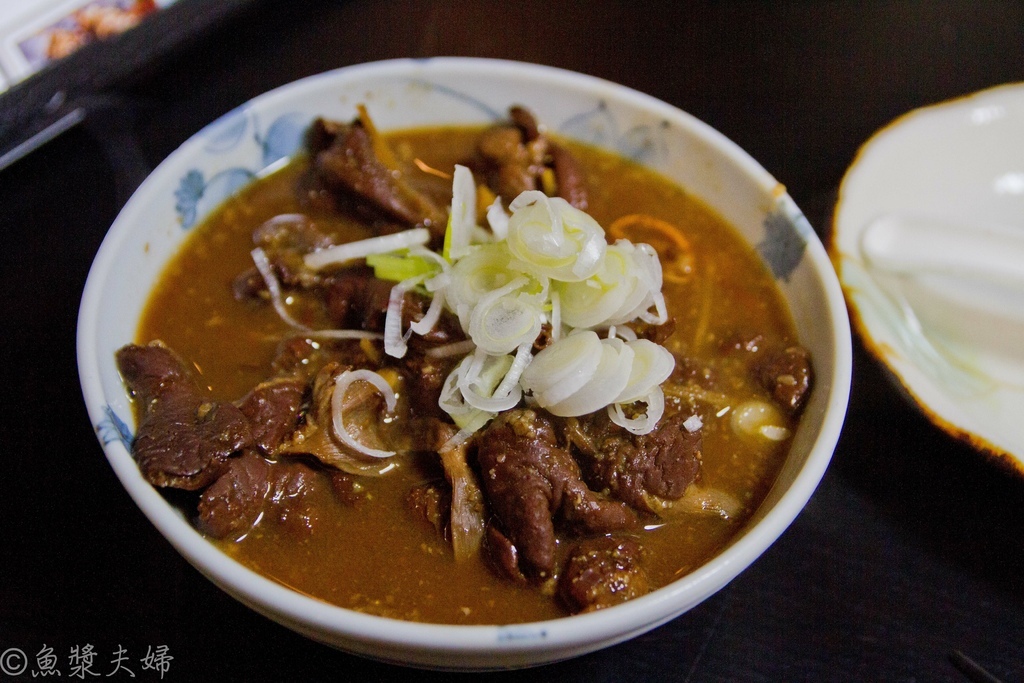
pixel 406 93
pixel 928 239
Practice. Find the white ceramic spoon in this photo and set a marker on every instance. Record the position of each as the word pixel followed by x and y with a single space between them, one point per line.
pixel 963 282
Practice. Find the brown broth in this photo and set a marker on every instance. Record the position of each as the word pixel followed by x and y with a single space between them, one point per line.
pixel 375 557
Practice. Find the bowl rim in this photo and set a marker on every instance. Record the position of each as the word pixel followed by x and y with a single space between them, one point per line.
pixel 604 627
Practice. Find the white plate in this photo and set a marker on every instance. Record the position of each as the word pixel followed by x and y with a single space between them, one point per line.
pixel 955 340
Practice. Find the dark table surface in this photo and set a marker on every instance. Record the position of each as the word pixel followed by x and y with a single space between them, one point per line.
pixel 911 549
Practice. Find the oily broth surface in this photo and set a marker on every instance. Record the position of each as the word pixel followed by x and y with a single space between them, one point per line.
pixel 375 556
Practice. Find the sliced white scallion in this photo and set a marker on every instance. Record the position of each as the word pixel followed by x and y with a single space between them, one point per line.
pixel 563 368
pixel 504 319
pixel 598 299
pixel 462 219
pixel 609 379
pixel 383 244
pixel 648 420
pixel 482 384
pixel 497 218
pixel 652 365
pixel 341 385
pixel 555 238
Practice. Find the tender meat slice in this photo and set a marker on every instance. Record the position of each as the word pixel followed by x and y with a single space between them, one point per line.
pixel 646 471
pixel 344 161
pixel 602 572
pixel 185 438
pixel 272 408
pixel 786 374
pixel 529 480
pixel 234 502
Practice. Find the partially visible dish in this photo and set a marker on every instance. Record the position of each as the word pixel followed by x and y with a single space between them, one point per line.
pixel 928 217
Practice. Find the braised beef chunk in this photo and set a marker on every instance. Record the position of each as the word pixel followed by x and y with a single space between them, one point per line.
pixel 786 374
pixel 294 487
pixel 569 178
pixel 638 469
pixel 184 438
pixel 602 572
pixel 253 490
pixel 358 300
pixel 272 408
pixel 529 481
pixel 295 357
pixel 233 503
pixel 514 157
pixel 345 162
pixel 285 239
pixel 425 376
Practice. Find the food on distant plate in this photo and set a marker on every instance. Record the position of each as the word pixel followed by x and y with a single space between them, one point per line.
pixel 411 374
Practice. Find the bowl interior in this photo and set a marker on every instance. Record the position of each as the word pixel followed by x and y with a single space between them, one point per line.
pixel 409 93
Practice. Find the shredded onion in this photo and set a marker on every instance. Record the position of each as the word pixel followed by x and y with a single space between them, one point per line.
pixel 341 385
pixel 382 244
pixel 259 257
pixel 394 339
